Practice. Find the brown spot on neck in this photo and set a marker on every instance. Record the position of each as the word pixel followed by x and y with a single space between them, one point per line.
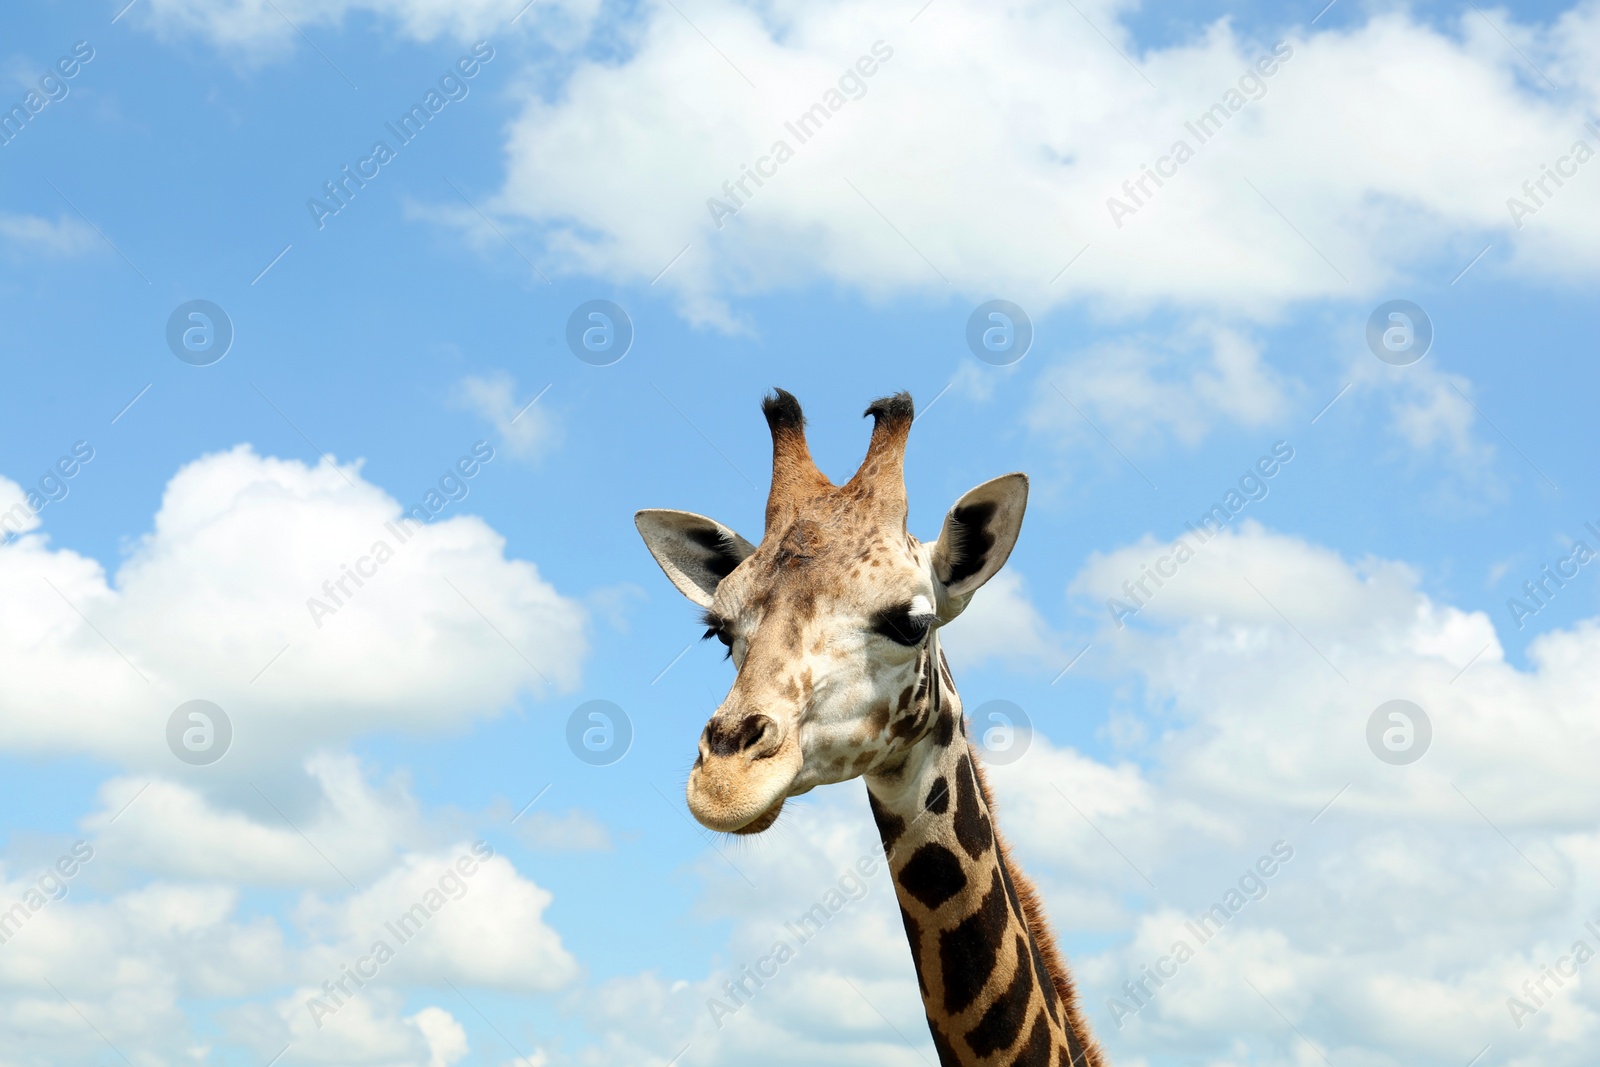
pixel 1084 1050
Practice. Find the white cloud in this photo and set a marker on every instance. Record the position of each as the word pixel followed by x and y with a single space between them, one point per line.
pixel 1304 582
pixel 1147 388
pixel 1001 623
pixel 985 150
pixel 132 959
pixel 1432 421
pixel 65 237
pixel 1261 698
pixel 447 1041
pixel 992 139
pixel 1253 725
pixel 526 427
pixel 16 516
pixel 1392 935
pixel 125 963
pixel 483 928
pixel 370 1029
pixel 808 1013
pixel 573 830
pixel 176 830
pixel 269 28
pixel 445 630
pixel 159 918
pixel 1436 416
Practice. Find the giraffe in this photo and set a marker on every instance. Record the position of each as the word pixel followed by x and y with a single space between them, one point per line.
pixel 832 624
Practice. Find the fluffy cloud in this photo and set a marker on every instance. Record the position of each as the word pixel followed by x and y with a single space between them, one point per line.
pixel 1439 416
pixel 1148 388
pixel 16 516
pixel 1001 623
pixel 981 156
pixel 243 594
pixel 1453 879
pixel 527 429
pixel 984 151
pixel 124 964
pixel 29 234
pixel 176 830
pixel 1413 905
pixel 1433 423
pixel 1405 904
pixel 809 1013
pixel 373 1030
pixel 265 26
pixel 466 915
pixel 573 830
pixel 132 960
pixel 443 630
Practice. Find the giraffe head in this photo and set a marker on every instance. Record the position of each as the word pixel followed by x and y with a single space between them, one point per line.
pixel 830 621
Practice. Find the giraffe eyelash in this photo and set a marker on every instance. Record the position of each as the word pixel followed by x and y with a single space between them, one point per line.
pixel 903 624
pixel 717 626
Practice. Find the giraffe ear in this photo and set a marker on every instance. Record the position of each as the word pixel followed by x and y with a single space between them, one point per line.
pixel 978 535
pixel 696 552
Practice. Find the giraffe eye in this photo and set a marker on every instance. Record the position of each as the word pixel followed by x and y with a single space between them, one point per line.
pixel 717 626
pixel 903 624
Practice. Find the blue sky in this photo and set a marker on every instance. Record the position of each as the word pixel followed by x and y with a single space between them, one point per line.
pixel 373 351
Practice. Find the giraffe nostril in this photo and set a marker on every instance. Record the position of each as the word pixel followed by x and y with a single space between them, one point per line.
pixel 753 736
pixel 754 731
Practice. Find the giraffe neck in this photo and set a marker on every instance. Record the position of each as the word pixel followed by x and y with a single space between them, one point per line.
pixel 993 987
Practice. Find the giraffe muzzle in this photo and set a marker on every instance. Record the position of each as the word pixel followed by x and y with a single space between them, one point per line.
pixel 746 765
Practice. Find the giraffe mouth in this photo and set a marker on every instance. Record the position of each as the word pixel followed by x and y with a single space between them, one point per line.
pixel 763 821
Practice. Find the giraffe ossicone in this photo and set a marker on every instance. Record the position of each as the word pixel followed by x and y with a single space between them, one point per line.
pixel 832 622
